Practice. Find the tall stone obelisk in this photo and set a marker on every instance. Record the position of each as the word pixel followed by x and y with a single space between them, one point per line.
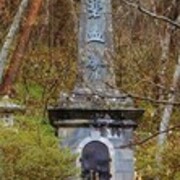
pixel 96 79
pixel 96 44
pixel 96 119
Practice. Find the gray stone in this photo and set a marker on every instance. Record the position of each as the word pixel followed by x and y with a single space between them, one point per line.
pixel 8 109
pixel 96 90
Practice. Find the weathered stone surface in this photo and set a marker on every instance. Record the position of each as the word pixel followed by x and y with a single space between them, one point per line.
pixel 99 99
pixel 96 85
pixel 96 90
pixel 95 44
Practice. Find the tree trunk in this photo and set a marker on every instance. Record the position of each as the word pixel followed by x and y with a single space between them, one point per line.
pixel 164 125
pixel 168 108
pixel 11 35
pixel 19 52
pixel 165 48
pixel 46 22
pixel 2 5
pixel 74 15
pixel 169 9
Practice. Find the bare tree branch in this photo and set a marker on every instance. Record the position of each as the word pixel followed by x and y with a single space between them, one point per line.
pixel 143 98
pixel 151 14
pixel 16 59
pixel 177 127
pixel 135 96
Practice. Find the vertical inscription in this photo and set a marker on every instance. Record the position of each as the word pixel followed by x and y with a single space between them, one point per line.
pixel 95 43
pixel 95 33
pixel 94 8
pixel 96 69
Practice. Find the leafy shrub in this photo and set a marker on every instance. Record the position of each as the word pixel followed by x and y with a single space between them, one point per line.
pixel 28 151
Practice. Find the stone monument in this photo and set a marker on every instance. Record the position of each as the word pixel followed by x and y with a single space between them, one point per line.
pixel 96 120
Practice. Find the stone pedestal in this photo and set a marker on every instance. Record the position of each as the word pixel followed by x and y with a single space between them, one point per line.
pixel 84 124
pixel 7 111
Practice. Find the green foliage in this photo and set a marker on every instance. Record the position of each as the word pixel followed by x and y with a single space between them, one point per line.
pixel 146 164
pixel 30 151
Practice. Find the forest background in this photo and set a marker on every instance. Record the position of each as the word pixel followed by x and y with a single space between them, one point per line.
pixel 41 61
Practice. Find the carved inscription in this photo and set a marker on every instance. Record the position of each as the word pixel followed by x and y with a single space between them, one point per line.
pixel 96 69
pixel 94 8
pixel 95 33
pixel 95 36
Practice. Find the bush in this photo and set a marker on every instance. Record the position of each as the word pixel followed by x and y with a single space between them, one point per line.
pixel 29 151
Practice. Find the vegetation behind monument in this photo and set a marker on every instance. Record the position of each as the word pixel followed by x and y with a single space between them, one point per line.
pixel 144 70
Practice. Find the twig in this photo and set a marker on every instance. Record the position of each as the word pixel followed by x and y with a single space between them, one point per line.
pixel 152 100
pixel 150 137
pixel 151 14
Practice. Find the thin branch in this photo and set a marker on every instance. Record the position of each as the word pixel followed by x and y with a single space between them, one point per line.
pixel 151 137
pixel 135 96
pixel 143 98
pixel 151 14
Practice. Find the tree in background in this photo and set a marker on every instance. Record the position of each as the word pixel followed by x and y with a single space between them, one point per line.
pixel 5 50
pixel 147 46
pixel 22 42
pixel 30 150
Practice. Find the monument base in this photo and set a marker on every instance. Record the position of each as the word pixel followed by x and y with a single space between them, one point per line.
pixel 98 126
pixel 119 162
